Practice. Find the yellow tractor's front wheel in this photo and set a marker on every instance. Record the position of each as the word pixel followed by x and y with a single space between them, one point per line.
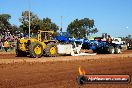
pixel 51 50
pixel 35 50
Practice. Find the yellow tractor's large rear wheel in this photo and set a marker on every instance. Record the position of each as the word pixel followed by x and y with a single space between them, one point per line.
pixel 35 50
pixel 51 50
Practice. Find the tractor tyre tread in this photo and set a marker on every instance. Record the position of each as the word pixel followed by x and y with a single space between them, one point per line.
pixel 31 50
pixel 48 47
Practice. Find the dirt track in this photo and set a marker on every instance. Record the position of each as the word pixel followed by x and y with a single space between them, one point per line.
pixel 61 72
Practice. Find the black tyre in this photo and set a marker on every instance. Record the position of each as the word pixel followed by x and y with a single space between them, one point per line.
pixel 111 50
pixel 20 53
pixel 35 50
pixel 117 50
pixel 51 50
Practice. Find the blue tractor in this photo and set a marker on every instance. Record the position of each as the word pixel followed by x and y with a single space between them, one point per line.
pixel 99 46
pixel 63 37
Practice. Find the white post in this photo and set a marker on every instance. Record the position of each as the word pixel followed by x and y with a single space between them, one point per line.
pixel 29 19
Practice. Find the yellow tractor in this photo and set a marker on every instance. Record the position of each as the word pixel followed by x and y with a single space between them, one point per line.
pixel 39 44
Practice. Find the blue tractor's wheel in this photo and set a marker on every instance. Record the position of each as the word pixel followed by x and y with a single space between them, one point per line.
pixel 117 50
pixel 111 50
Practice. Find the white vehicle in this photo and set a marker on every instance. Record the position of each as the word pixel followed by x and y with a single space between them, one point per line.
pixel 117 41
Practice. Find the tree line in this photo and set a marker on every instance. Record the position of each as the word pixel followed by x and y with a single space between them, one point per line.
pixel 78 28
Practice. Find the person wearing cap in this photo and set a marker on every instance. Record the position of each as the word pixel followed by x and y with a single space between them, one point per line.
pixel 6 45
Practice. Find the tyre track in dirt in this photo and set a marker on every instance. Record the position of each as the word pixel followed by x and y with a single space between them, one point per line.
pixel 13 59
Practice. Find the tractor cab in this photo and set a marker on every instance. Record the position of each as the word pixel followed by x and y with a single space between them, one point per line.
pixel 45 35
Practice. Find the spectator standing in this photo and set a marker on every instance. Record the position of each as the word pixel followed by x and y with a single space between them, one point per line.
pixel 6 45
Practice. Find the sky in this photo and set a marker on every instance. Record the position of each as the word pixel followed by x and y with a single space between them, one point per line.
pixel 111 16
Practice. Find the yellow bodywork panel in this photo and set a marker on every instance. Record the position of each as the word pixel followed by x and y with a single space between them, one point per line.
pixel 22 47
pixel 23 42
pixel 43 44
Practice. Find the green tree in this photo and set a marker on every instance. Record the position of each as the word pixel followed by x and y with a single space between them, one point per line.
pixel 4 22
pixel 129 36
pixel 82 28
pixel 25 21
pixel 47 25
pixel 36 24
pixel 94 30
